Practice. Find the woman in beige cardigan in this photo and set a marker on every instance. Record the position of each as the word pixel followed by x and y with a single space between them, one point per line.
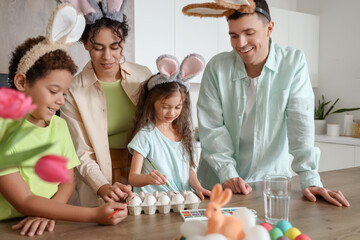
pixel 99 109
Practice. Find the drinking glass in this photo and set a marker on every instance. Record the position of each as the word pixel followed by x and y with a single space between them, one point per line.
pixel 277 191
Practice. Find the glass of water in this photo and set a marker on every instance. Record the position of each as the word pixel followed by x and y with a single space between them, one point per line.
pixel 277 191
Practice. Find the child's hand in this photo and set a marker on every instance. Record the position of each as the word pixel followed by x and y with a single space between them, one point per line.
pixel 116 192
pixel 202 192
pixel 32 225
pixel 104 211
pixel 156 178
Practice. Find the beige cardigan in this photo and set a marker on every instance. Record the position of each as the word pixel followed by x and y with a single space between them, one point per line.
pixel 85 113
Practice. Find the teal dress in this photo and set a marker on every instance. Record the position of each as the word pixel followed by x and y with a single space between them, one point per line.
pixel 166 155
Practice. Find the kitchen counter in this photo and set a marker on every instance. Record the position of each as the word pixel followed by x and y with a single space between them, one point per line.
pixel 338 140
pixel 319 220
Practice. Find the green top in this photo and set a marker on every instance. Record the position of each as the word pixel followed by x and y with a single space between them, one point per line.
pixel 120 112
pixel 57 132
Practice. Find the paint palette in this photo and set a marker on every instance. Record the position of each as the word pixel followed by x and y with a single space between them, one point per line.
pixel 199 214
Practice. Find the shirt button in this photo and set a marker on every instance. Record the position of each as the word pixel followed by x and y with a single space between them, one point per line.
pixel 239 117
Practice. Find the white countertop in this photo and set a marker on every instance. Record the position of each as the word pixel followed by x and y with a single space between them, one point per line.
pixel 338 140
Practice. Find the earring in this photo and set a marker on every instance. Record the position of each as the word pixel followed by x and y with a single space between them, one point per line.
pixel 122 60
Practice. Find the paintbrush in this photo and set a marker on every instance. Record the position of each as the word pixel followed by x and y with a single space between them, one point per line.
pixel 167 184
pixel 117 210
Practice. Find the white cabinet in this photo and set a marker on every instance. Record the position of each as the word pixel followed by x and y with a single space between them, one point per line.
pixel 161 28
pixel 336 156
pixel 299 30
pixel 357 156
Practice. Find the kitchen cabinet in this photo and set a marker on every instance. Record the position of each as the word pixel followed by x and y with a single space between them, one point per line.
pixel 335 156
pixel 357 156
pixel 299 30
pixel 161 28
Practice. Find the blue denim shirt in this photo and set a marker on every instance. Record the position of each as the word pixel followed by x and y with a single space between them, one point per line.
pixel 284 121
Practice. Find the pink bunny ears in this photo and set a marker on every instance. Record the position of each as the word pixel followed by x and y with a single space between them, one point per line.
pixel 112 9
pixel 169 70
pixel 65 27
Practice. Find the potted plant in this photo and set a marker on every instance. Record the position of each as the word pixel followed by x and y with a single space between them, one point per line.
pixel 320 114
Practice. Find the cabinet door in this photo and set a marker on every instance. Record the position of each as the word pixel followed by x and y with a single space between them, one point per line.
pixel 357 156
pixel 194 35
pixel 335 156
pixel 280 33
pixel 304 34
pixel 154 31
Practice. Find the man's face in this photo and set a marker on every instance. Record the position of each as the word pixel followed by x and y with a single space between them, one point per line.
pixel 250 38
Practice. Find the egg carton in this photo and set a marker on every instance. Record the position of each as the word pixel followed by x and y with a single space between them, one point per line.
pixel 162 202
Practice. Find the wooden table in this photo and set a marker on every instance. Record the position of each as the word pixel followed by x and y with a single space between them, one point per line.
pixel 319 220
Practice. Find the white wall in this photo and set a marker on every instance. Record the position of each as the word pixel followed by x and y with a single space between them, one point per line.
pixel 21 19
pixel 339 65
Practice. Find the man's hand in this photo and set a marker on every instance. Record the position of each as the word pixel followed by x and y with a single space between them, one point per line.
pixel 334 197
pixel 237 185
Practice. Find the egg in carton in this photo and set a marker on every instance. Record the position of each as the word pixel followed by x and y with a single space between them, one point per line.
pixel 163 202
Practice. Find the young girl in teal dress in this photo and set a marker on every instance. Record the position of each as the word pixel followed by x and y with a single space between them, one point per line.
pixel 162 140
pixel 41 68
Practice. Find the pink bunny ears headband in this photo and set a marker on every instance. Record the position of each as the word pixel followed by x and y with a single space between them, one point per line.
pixel 65 27
pixel 112 9
pixel 169 70
pixel 223 8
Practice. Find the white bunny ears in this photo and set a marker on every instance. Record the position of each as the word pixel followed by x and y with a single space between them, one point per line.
pixel 65 27
pixel 112 9
pixel 219 8
pixel 169 70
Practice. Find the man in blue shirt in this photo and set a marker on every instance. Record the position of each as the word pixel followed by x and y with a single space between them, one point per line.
pixel 256 106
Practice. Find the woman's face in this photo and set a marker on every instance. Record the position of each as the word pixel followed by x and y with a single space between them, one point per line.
pixel 105 52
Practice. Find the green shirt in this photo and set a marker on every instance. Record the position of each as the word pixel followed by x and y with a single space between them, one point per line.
pixel 57 132
pixel 120 112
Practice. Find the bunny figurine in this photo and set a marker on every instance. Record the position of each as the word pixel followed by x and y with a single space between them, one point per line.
pixel 229 226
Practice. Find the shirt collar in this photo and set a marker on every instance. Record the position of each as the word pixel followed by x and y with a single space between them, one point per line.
pixel 90 78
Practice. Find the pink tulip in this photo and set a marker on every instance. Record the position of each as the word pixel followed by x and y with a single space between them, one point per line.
pixel 14 104
pixel 52 168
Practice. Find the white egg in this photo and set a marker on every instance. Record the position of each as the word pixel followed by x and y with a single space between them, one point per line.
pixel 184 192
pixel 142 195
pixel 191 198
pixel 149 200
pixel 177 199
pixel 171 193
pixel 257 232
pixel 136 201
pixel 247 217
pixel 156 194
pixel 193 228
pixel 163 200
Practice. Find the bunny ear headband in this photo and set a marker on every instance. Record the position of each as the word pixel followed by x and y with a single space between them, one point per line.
pixel 223 8
pixel 112 9
pixel 65 27
pixel 169 70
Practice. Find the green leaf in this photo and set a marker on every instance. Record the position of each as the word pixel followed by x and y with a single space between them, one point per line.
pixel 341 110
pixel 332 106
pixel 14 160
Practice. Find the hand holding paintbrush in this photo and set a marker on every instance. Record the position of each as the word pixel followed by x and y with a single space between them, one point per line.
pixel 167 184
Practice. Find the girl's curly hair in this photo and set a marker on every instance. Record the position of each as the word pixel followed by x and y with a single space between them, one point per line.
pixel 145 113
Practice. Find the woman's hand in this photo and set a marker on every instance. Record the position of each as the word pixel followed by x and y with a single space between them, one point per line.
pixel 32 225
pixel 115 193
pixel 156 178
